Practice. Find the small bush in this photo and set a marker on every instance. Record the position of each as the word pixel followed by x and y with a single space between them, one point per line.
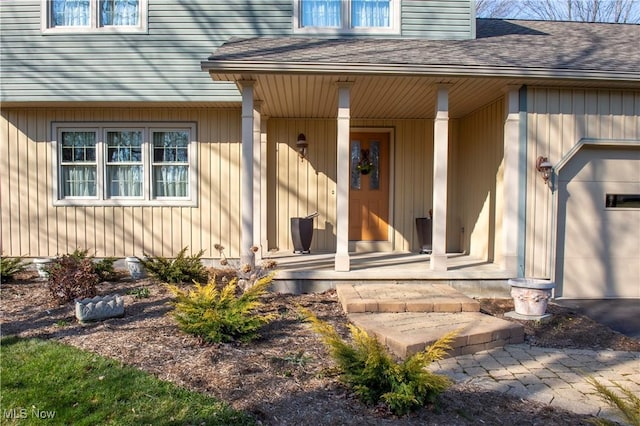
pixel 72 277
pixel 181 269
pixel 10 266
pixel 221 315
pixel 627 403
pixel 140 293
pixel 104 267
pixel 367 367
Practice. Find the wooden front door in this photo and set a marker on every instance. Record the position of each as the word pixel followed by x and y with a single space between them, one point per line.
pixel 369 187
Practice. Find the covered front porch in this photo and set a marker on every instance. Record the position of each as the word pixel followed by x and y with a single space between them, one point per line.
pixel 455 148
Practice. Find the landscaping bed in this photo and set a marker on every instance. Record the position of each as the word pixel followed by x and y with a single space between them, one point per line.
pixel 286 377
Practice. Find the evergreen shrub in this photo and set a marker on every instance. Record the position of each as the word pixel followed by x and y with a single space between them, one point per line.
pixel 367 367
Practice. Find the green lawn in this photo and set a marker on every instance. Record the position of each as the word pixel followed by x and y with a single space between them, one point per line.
pixel 47 382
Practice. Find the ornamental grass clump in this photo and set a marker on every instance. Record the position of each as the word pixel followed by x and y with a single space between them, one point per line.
pixel 626 402
pixel 221 315
pixel 181 269
pixel 367 367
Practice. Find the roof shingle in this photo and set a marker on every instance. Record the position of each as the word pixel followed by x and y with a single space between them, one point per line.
pixel 499 43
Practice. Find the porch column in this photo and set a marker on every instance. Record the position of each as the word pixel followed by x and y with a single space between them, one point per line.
pixel 257 179
pixel 264 242
pixel 440 166
pixel 511 186
pixel 246 174
pixel 342 261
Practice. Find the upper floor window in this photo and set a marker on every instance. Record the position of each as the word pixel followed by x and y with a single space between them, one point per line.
pixel 347 16
pixel 94 15
pixel 128 164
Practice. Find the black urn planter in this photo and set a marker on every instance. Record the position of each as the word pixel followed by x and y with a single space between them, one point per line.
pixel 302 233
pixel 424 227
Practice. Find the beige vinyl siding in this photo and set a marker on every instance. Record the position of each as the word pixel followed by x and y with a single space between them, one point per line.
pixel 298 188
pixel 480 166
pixel 557 120
pixel 32 226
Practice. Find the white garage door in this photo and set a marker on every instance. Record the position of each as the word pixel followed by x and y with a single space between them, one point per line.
pixel 598 251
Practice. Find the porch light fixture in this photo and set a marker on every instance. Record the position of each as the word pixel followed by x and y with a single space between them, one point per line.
pixel 544 167
pixel 302 146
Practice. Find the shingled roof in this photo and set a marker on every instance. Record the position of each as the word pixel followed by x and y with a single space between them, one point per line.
pixel 501 47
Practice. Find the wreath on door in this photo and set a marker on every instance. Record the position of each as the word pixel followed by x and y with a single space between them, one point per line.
pixel 365 165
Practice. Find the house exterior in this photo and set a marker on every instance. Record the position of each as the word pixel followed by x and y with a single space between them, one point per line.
pixel 143 126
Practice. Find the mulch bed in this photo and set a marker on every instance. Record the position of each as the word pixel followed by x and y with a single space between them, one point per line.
pixel 286 377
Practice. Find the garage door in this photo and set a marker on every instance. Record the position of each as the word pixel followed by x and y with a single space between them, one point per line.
pixel 598 250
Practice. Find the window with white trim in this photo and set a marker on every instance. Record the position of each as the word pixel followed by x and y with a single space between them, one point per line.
pixel 347 16
pixel 125 164
pixel 94 16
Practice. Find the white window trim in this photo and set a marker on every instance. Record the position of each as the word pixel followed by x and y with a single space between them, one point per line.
pixel 94 26
pixel 346 23
pixel 148 199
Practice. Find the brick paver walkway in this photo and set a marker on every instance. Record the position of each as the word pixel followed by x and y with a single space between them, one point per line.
pixel 552 376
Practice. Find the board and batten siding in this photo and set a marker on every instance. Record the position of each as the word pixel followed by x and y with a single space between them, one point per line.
pixel 480 164
pixel 557 120
pixel 298 188
pixel 32 226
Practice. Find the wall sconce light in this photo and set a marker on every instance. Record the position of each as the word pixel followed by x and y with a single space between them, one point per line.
pixel 544 167
pixel 302 146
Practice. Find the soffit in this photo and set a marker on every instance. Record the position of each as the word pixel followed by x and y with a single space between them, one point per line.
pixel 384 97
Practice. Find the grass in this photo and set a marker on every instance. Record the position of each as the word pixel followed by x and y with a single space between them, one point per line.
pixel 48 380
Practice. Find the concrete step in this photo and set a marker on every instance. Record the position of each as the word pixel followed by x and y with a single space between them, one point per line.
pixel 406 333
pixel 406 297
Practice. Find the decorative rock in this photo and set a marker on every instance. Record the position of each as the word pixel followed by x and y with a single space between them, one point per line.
pixel 99 308
pixel 41 266
pixel 135 267
pixel 530 297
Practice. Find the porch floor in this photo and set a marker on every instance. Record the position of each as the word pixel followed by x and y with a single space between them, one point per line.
pixel 386 265
pixel 304 273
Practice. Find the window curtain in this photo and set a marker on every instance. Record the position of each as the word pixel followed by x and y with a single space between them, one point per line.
pixel 171 169
pixel 124 169
pixel 125 181
pixel 321 13
pixel 70 13
pixel 119 12
pixel 370 13
pixel 171 181
pixel 78 180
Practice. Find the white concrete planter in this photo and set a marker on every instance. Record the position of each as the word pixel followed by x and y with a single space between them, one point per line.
pixel 531 297
pixel 135 268
pixel 42 263
pixel 99 308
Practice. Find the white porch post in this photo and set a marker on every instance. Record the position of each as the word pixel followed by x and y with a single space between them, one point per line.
pixel 342 261
pixel 510 184
pixel 264 243
pixel 257 180
pixel 440 166
pixel 246 174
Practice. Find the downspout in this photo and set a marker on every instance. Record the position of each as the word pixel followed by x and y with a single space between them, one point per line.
pixel 522 182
